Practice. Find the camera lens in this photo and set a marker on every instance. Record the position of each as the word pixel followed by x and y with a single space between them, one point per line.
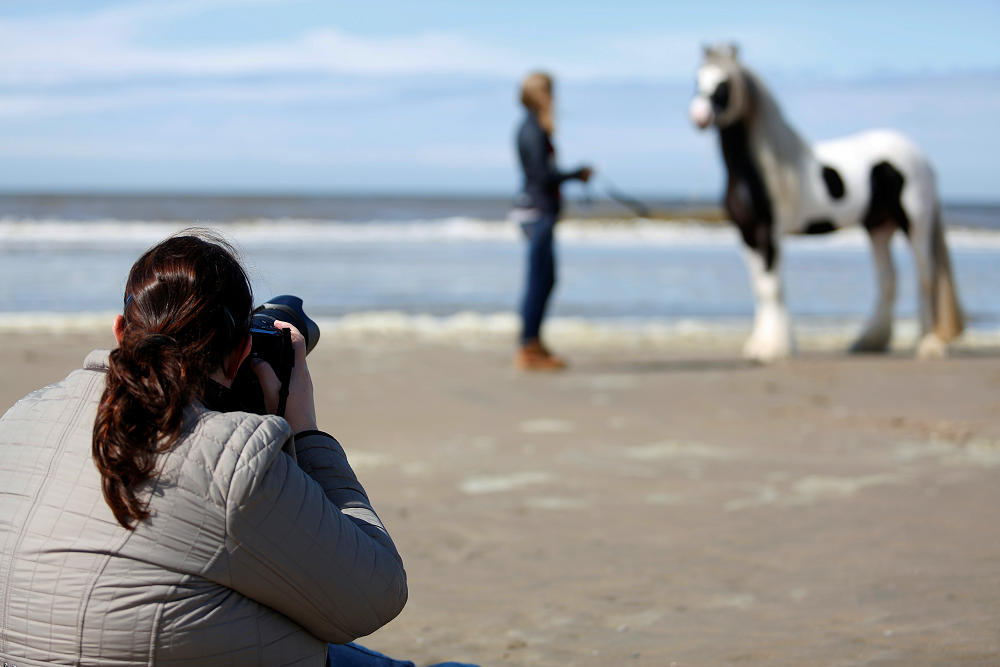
pixel 289 309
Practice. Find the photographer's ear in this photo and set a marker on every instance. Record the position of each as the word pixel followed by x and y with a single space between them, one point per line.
pixel 118 328
pixel 236 358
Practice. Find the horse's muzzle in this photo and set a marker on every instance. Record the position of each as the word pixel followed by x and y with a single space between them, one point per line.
pixel 701 112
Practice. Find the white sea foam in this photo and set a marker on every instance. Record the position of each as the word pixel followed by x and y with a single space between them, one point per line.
pixel 473 329
pixel 55 323
pixel 454 279
pixel 296 232
pixel 282 232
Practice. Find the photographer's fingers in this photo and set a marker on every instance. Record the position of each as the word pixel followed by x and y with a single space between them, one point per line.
pixel 300 410
pixel 298 341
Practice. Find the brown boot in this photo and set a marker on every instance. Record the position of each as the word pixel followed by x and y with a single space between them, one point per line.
pixel 534 357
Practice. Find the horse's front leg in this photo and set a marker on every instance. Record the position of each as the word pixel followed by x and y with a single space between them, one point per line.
pixel 771 338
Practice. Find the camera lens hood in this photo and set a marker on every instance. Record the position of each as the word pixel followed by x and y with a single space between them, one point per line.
pixel 289 309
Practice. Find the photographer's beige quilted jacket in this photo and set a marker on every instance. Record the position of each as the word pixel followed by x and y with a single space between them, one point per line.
pixel 249 558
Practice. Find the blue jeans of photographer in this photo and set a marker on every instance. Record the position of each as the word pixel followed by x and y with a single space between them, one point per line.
pixel 355 655
pixel 541 275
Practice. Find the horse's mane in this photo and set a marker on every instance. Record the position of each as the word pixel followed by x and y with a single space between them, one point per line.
pixel 763 110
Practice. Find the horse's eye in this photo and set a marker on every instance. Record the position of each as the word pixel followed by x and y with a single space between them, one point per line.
pixel 720 98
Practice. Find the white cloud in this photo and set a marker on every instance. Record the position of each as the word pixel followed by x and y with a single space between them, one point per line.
pixel 103 46
pixel 60 103
pixel 107 45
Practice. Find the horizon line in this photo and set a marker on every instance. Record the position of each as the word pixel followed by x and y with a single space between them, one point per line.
pixel 252 193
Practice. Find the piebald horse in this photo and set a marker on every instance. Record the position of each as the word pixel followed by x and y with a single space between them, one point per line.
pixel 780 184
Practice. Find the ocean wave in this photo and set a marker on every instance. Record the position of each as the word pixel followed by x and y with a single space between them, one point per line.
pixel 470 329
pixel 29 232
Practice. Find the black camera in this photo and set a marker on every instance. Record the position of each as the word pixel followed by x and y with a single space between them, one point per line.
pixel 274 346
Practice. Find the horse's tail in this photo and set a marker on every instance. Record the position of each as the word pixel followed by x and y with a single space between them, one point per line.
pixel 948 319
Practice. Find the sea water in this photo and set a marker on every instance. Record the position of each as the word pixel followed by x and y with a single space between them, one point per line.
pixel 454 267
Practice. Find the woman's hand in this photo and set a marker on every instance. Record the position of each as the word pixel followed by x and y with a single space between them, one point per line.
pixel 586 173
pixel 300 408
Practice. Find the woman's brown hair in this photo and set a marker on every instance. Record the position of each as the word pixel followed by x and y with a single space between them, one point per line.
pixel 187 307
pixel 536 96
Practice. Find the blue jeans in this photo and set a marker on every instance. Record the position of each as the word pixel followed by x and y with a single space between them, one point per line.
pixel 355 655
pixel 541 276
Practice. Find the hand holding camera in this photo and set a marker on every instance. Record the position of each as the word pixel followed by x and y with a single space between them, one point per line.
pixel 300 407
pixel 275 378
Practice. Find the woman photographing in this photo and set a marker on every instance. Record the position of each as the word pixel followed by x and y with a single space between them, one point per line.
pixel 144 520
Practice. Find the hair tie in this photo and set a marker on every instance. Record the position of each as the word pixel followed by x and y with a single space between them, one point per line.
pixel 128 300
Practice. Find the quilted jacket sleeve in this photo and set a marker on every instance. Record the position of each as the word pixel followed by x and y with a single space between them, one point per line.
pixel 303 539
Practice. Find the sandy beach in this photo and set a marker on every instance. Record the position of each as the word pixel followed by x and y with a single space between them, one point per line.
pixel 660 506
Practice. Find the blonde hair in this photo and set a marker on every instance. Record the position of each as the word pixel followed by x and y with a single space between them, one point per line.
pixel 536 96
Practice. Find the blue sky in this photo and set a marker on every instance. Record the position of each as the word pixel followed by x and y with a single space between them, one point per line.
pixel 268 96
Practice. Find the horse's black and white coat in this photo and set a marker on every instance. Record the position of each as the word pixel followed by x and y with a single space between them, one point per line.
pixel 778 184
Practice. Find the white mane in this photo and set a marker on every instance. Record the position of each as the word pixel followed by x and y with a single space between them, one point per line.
pixel 789 147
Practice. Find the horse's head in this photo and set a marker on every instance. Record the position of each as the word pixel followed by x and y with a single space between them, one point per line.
pixel 722 97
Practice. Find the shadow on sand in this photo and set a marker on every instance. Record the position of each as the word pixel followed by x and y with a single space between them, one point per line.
pixel 651 366
pixel 735 363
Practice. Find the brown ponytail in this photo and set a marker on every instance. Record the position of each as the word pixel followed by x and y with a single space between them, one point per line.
pixel 187 306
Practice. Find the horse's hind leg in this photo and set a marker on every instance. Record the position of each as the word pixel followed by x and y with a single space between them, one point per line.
pixel 929 345
pixel 878 332
pixel 948 318
pixel 913 209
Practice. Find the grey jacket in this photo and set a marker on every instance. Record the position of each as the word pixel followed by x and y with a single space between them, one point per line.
pixel 259 550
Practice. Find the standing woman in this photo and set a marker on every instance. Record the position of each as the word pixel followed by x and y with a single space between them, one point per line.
pixel 538 210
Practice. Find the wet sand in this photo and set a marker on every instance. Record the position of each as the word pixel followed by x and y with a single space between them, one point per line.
pixel 657 506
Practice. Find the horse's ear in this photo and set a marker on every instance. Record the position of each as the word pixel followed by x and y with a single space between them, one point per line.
pixel 734 50
pixel 707 50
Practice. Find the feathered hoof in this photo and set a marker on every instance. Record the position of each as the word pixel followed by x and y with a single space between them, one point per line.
pixel 870 344
pixel 931 347
pixel 768 351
